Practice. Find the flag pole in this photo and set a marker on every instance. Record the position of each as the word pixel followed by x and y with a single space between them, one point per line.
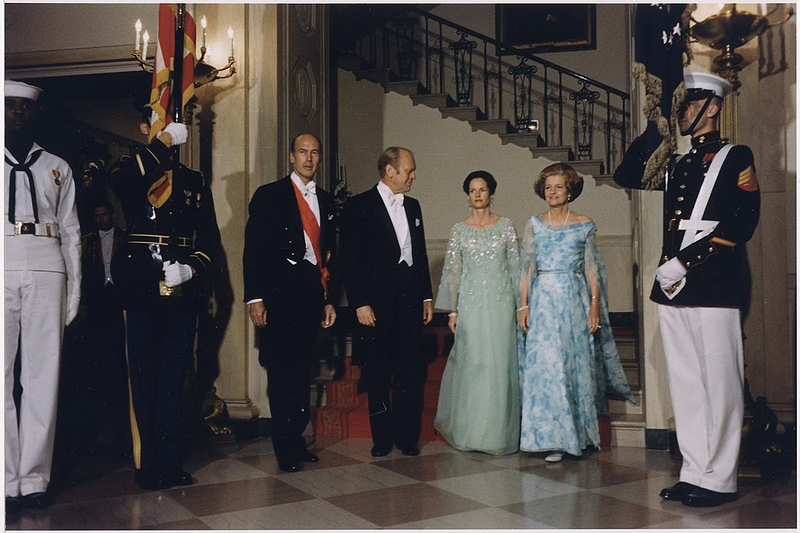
pixel 177 73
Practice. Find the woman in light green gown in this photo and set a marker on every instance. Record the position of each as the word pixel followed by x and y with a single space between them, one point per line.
pixel 479 401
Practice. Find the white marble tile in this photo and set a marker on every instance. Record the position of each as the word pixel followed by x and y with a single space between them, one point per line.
pixel 481 519
pixel 226 470
pixel 504 487
pixel 311 514
pixel 336 481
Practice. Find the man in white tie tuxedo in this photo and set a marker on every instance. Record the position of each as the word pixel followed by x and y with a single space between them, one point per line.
pixel 288 244
pixel 387 279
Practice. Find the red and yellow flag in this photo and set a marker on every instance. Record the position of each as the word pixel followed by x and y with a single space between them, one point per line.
pixel 160 94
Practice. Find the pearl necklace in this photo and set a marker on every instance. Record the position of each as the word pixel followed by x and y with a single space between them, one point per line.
pixel 550 221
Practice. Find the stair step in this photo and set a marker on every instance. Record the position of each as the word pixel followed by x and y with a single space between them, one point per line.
pixel 351 62
pixel 554 153
pixel 495 125
pixel 628 430
pixel 591 167
pixel 466 113
pixel 606 179
pixel 376 75
pixel 525 140
pixel 437 100
pixel 407 88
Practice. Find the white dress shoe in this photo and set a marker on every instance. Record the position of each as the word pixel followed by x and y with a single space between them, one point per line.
pixel 554 457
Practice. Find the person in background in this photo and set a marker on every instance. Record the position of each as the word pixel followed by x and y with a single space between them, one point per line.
pixel 479 405
pixel 570 359
pixel 711 208
pixel 42 295
pixel 289 242
pixel 387 280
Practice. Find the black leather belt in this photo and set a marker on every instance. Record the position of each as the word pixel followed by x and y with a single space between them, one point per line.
pixel 147 238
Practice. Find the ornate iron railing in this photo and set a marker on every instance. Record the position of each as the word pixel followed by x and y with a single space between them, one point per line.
pixel 512 83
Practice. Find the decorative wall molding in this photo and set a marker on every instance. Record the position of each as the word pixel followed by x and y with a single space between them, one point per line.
pixel 305 88
pixel 306 17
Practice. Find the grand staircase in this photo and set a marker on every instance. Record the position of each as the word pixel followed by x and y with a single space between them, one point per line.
pixel 342 410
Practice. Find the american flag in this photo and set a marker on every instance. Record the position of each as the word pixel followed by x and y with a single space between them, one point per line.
pixel 160 94
pixel 662 33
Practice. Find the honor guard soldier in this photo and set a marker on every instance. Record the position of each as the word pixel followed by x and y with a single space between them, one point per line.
pixel 42 295
pixel 711 208
pixel 172 236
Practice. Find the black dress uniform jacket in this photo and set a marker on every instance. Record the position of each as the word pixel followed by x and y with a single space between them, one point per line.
pixel 185 226
pixel 716 275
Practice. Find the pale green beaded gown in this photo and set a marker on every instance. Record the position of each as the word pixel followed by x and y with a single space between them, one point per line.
pixel 479 399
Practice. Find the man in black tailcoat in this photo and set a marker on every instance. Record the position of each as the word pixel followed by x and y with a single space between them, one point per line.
pixel 387 279
pixel 288 245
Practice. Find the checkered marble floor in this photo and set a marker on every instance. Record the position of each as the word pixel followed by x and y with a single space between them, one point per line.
pixel 239 487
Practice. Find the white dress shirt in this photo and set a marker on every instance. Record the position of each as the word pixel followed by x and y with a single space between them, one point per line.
pixel 107 242
pixel 309 192
pixel 394 205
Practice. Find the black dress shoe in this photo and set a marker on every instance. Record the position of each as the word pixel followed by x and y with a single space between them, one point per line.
pixel 411 451
pixel 677 492
pixel 36 500
pixel 381 450
pixel 13 504
pixel 177 477
pixel 701 497
pixel 307 457
pixel 289 465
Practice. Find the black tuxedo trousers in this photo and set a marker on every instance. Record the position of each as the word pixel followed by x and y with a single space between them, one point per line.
pixel 286 351
pixel 396 353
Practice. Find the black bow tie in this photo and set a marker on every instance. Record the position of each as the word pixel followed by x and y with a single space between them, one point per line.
pixel 12 186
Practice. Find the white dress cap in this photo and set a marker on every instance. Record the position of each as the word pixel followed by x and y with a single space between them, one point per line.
pixel 18 89
pixel 708 82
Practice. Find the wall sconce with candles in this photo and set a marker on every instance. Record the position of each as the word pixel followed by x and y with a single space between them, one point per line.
pixel 731 28
pixel 203 72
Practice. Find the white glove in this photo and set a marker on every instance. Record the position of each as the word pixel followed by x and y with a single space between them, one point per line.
pixel 176 273
pixel 177 131
pixel 73 304
pixel 670 273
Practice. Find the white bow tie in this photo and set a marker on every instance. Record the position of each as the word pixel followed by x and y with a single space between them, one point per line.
pixel 310 188
pixel 396 199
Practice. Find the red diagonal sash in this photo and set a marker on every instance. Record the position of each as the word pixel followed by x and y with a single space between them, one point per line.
pixel 311 227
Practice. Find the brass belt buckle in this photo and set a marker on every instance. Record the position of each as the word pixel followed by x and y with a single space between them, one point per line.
pixel 163 290
pixel 17 228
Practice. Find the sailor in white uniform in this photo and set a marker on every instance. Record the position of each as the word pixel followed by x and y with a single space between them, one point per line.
pixel 42 292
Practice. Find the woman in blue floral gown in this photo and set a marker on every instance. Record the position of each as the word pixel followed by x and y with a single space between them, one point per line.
pixel 479 395
pixel 569 360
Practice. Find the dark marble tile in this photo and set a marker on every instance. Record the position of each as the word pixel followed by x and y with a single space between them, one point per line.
pixel 400 505
pixel 589 510
pixel 189 525
pixel 236 496
pixel 438 466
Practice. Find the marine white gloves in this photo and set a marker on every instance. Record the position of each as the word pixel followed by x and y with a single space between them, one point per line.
pixel 177 131
pixel 670 273
pixel 176 273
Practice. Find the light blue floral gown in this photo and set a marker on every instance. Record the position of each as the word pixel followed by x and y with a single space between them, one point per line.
pixel 479 396
pixel 565 372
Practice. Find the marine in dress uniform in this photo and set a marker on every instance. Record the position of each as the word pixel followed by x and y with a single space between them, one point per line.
pixel 289 241
pixel 172 237
pixel 387 279
pixel 42 294
pixel 711 208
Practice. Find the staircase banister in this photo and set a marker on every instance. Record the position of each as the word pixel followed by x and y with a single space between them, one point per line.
pixel 521 52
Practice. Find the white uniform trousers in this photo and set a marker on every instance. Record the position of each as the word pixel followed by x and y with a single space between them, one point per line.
pixel 703 347
pixel 34 322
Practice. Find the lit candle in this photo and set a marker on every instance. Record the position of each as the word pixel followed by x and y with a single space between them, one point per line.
pixel 138 27
pixel 763 8
pixel 146 39
pixel 230 36
pixel 203 24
